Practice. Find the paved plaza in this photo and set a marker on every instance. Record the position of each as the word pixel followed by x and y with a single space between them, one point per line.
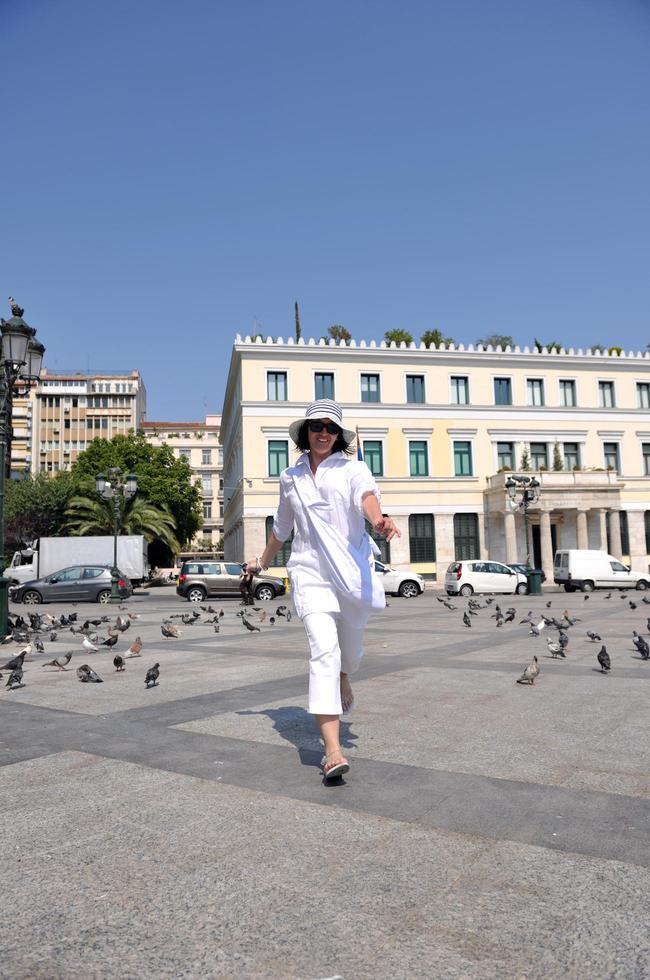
pixel 485 830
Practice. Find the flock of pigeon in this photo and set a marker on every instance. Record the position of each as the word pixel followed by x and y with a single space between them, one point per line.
pixel 31 632
pixel 556 647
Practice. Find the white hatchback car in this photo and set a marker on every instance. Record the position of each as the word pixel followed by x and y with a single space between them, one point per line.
pixel 467 577
pixel 404 582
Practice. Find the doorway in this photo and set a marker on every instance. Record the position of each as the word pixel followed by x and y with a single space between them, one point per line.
pixel 537 544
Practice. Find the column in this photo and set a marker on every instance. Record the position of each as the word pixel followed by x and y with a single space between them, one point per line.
pixel 602 516
pixel 546 543
pixel 511 536
pixel 581 525
pixel 483 551
pixel 615 534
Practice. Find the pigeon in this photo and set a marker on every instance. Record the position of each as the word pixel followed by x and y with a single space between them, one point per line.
pixel 122 624
pixel 216 627
pixel 15 679
pixel 62 663
pixel 609 595
pixel 528 619
pixel 280 611
pixel 39 646
pixel 110 640
pixel 509 616
pixel 646 600
pixel 563 639
pixel 497 611
pixel 16 663
pixel 549 604
pixel 586 597
pixel 250 627
pixel 272 620
pixel 603 660
pixel 570 621
pixel 467 621
pixel 631 604
pixel 447 605
pixel 170 631
pixel 135 648
pixel 643 649
pixel 530 673
pixel 118 663
pixel 594 637
pixel 535 630
pixel 555 649
pixel 53 636
pixel 152 675
pixel 87 675
pixel 88 646
pixel 499 618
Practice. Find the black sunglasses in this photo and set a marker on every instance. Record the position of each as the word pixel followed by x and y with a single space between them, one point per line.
pixel 331 427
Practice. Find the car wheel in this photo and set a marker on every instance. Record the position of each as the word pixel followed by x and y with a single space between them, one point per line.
pixel 408 590
pixel 265 593
pixel 104 596
pixel 587 586
pixel 466 590
pixel 196 594
pixel 522 589
pixel 32 597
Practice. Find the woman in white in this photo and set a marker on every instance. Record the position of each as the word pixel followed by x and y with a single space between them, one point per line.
pixel 327 496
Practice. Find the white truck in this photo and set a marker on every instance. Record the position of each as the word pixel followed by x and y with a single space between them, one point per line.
pixel 576 568
pixel 47 555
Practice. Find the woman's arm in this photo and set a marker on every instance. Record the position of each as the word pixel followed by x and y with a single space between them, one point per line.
pixel 262 562
pixel 372 510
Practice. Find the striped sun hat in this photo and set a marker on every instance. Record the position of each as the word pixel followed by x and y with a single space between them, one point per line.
pixel 324 408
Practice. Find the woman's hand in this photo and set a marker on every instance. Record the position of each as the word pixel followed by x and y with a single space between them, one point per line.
pixel 253 566
pixel 387 527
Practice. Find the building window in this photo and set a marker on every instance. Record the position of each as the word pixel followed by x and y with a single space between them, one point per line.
pixel 418 458
pixel 284 554
pixel 462 459
pixel 645 450
pixel 369 387
pixel 643 394
pixel 185 454
pixel 535 389
pixel 625 533
pixel 459 391
pixel 606 394
pixel 276 386
pixel 323 385
pixel 571 453
pixel 505 455
pixel 206 484
pixel 206 457
pixel 612 459
pixel 502 391
pixel 278 456
pixel 539 455
pixel 567 393
pixel 382 544
pixel 422 538
pixel 207 511
pixel 415 389
pixel 373 455
pixel 646 521
pixel 466 543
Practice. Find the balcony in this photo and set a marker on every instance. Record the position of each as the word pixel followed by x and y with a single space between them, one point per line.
pixel 562 479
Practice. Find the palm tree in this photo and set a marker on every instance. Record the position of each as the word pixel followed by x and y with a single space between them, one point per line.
pixel 91 515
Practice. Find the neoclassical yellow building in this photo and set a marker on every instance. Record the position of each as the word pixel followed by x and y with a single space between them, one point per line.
pixel 442 430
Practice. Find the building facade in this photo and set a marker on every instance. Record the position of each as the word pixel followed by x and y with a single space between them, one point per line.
pixel 442 430
pixel 68 411
pixel 198 443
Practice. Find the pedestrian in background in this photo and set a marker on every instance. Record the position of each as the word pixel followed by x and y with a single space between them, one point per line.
pixel 246 585
pixel 327 497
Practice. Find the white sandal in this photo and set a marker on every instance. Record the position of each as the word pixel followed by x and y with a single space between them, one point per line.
pixel 331 770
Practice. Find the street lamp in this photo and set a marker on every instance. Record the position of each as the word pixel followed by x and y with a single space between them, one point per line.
pixel 529 489
pixel 21 358
pixel 111 486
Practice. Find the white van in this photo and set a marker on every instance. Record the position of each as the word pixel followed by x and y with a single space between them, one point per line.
pixel 589 570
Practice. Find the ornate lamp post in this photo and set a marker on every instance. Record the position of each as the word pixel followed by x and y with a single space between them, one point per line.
pixel 110 486
pixel 21 359
pixel 528 489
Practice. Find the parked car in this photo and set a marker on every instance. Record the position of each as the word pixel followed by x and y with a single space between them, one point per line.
pixel 579 568
pixel 467 577
pixel 77 583
pixel 523 568
pixel 199 580
pixel 404 582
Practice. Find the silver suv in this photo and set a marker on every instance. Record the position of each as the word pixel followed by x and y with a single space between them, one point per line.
pixel 199 580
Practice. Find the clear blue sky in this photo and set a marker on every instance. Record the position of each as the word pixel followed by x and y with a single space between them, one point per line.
pixel 173 173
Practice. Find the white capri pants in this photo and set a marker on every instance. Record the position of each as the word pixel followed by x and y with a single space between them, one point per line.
pixel 336 645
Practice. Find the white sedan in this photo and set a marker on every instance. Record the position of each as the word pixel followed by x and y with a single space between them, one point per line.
pixel 404 582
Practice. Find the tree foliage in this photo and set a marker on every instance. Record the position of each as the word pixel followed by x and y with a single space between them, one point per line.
pixel 163 480
pixel 524 463
pixel 91 515
pixel 554 345
pixel 497 340
pixel 398 336
pixel 337 332
pixel 558 462
pixel 434 338
pixel 35 507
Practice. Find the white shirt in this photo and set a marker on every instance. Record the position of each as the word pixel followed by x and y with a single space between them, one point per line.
pixel 341 482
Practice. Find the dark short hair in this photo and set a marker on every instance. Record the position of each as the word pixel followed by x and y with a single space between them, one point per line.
pixel 302 443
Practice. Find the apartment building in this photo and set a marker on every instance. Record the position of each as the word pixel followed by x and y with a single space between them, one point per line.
pixel 70 410
pixel 21 437
pixel 442 430
pixel 199 444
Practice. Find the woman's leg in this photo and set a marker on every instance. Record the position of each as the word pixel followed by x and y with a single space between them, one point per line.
pixel 324 677
pixel 351 644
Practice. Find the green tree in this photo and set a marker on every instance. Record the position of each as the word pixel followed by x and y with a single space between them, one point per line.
pixel 552 346
pixel 398 336
pixel 337 332
pixel 35 507
pixel 163 480
pixel 616 350
pixel 497 340
pixel 298 327
pixel 93 515
pixel 558 462
pixel 597 348
pixel 434 338
pixel 524 463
